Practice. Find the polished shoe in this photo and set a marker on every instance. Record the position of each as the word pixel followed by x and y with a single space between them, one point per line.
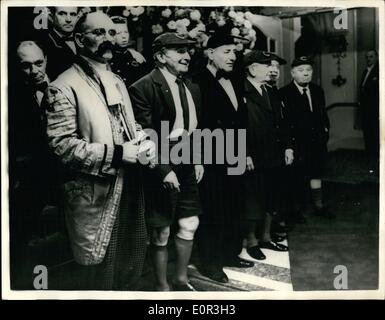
pixel 277 238
pixel 324 213
pixel 239 263
pixel 273 246
pixel 256 253
pixel 183 287
pixel 218 276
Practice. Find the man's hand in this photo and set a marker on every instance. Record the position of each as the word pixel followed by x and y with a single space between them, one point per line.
pixel 249 164
pixel 137 56
pixel 130 151
pixel 171 181
pixel 289 156
pixel 199 171
pixel 147 152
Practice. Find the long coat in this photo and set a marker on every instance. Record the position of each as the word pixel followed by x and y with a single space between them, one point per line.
pixel 310 129
pixel 267 132
pixel 81 134
pixel 220 236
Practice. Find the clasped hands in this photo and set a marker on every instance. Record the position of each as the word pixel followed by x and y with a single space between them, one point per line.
pixel 139 149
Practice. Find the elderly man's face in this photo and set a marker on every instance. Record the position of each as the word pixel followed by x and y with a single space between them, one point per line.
pixel 302 74
pixel 98 38
pixel 223 57
pixel 259 71
pixel 32 63
pixel 273 72
pixel 122 35
pixel 371 58
pixel 176 60
pixel 64 19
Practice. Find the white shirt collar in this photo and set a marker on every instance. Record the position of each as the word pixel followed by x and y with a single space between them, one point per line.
pixel 168 75
pixel 300 88
pixel 212 69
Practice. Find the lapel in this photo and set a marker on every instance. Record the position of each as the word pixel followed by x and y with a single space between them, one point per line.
pixel 221 92
pixel 165 90
pixel 253 94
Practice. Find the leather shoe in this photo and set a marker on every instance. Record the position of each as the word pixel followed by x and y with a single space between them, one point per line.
pixel 324 213
pixel 277 238
pixel 183 287
pixel 240 263
pixel 218 276
pixel 273 246
pixel 256 253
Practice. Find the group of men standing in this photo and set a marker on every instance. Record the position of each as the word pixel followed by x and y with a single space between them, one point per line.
pixel 117 193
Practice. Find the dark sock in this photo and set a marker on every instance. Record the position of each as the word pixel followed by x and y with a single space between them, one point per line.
pixel 160 260
pixel 183 253
pixel 316 195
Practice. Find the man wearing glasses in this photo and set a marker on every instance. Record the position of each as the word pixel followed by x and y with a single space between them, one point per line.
pixel 92 130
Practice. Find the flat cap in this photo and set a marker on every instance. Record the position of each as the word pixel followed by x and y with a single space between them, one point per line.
pixel 277 58
pixel 257 56
pixel 302 60
pixel 171 39
pixel 221 39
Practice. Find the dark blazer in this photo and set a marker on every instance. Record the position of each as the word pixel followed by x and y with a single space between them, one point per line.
pixel 267 136
pixel 369 95
pixel 60 55
pixel 152 102
pixel 310 129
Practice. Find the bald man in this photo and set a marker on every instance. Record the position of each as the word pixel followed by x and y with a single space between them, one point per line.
pixel 27 146
pixel 92 130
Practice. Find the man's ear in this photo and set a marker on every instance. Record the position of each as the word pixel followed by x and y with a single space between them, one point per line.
pixel 210 53
pixel 160 56
pixel 79 40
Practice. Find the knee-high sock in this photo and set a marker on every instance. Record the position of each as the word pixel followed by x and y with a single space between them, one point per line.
pixel 316 195
pixel 183 253
pixel 160 259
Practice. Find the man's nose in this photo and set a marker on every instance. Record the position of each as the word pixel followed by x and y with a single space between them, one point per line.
pixel 34 69
pixel 68 18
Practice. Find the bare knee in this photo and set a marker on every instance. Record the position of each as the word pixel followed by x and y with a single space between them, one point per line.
pixel 187 227
pixel 160 236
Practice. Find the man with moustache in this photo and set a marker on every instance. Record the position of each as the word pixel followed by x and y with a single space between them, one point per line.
pixel 129 64
pixel 267 149
pixel 92 130
pixel 306 113
pixel 59 41
pixel 172 191
pixel 28 152
pixel 223 107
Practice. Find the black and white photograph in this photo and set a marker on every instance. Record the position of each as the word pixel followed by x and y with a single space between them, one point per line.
pixel 192 150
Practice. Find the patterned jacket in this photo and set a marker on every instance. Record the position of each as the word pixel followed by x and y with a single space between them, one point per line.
pixel 82 132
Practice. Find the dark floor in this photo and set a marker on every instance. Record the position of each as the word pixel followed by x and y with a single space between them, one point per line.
pixel 316 248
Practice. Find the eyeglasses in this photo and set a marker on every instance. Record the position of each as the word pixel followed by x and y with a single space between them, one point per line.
pixel 102 32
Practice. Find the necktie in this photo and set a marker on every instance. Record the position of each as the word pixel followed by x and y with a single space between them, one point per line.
pixel 265 95
pixel 306 99
pixel 184 103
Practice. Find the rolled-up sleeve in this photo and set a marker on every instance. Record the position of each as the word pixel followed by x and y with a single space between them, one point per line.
pixel 63 137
